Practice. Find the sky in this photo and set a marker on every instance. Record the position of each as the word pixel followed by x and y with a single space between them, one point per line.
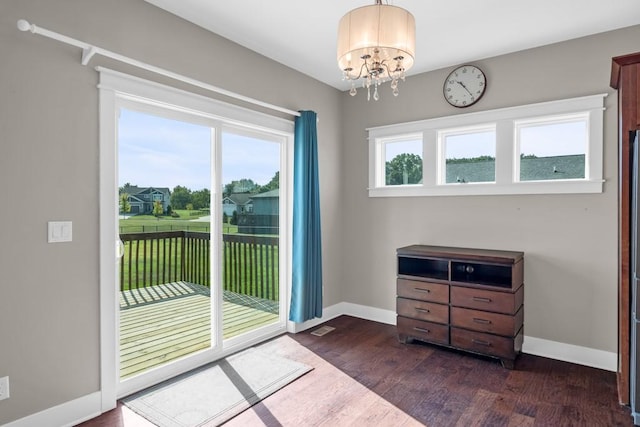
pixel 542 140
pixel 537 140
pixel 158 152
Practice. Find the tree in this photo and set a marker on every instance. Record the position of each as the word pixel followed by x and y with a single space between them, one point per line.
pixel 274 184
pixel 125 206
pixel 201 199
pixel 157 209
pixel 234 218
pixel 478 159
pixel 125 188
pixel 405 168
pixel 244 185
pixel 180 197
pixel 228 189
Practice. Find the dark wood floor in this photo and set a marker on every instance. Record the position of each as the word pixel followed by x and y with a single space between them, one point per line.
pixel 363 376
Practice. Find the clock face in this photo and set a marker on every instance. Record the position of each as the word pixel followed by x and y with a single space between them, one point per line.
pixel 464 86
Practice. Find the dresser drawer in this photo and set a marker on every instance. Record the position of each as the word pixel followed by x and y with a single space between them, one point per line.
pixel 427 291
pixel 483 343
pixel 424 331
pixel 480 299
pixel 423 310
pixel 484 321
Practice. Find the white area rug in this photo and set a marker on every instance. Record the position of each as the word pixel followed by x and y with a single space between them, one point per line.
pixel 217 392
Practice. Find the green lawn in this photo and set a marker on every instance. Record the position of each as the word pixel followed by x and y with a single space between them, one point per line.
pixel 248 269
pixel 149 223
pixel 251 274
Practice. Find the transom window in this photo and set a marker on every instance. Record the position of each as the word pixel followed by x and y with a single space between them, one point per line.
pixel 545 148
pixel 469 155
pixel 552 148
pixel 402 158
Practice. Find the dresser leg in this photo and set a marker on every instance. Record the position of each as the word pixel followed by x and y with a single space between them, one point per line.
pixel 508 363
pixel 404 339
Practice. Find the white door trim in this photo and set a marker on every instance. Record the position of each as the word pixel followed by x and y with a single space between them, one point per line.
pixel 108 215
pixel 118 89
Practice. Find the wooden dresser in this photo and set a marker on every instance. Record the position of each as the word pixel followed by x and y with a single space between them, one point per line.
pixel 468 299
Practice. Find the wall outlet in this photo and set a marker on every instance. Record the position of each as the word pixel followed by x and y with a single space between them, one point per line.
pixel 4 388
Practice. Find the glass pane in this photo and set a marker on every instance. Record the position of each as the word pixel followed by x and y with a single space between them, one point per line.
pixel 164 176
pixel 403 162
pixel 251 230
pixel 553 150
pixel 470 156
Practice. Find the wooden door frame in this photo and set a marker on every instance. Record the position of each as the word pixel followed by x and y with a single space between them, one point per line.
pixel 625 77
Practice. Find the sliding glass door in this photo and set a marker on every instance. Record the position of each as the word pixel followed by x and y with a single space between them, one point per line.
pixel 195 196
pixel 251 219
pixel 164 222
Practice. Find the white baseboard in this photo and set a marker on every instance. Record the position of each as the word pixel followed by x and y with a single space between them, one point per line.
pixel 536 346
pixel 571 353
pixel 328 313
pixel 66 414
pixel 370 313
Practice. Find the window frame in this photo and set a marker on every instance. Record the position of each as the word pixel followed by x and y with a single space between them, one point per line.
pixel 549 120
pixel 442 160
pixel 504 120
pixel 381 163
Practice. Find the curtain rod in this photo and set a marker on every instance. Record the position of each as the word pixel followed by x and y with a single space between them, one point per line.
pixel 88 51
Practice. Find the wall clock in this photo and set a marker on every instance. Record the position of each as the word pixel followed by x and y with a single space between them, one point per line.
pixel 464 86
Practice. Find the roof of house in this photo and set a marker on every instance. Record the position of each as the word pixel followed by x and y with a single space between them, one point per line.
pixel 132 190
pixel 531 169
pixel 239 198
pixel 267 194
pixel 557 167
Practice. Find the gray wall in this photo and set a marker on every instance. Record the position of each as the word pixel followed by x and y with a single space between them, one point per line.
pixel 570 241
pixel 49 300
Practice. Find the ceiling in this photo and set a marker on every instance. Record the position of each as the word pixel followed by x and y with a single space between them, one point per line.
pixel 303 34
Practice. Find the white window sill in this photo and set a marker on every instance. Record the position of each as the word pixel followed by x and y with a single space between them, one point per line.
pixel 472 189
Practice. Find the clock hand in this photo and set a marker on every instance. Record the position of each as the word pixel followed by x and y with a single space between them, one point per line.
pixel 465 88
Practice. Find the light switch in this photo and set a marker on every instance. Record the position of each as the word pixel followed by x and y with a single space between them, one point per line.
pixel 59 231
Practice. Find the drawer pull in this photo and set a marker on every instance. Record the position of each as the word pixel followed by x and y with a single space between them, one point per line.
pixel 423 310
pixel 481 342
pixel 482 321
pixel 481 299
pixel 426 291
pixel 423 330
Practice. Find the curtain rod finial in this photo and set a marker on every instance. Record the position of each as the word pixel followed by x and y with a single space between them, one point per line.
pixel 23 25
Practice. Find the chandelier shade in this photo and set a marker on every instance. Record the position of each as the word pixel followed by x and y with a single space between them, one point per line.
pixel 376 43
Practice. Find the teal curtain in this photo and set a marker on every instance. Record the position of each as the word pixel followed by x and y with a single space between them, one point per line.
pixel 306 289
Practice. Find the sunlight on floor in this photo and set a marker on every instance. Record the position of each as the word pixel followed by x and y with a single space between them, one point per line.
pixel 340 400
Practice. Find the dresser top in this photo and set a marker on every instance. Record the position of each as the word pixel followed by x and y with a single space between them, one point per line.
pixel 466 254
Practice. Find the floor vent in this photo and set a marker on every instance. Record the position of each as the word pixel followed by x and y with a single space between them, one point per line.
pixel 322 331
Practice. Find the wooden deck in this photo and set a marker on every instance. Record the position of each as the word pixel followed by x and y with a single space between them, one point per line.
pixel 162 323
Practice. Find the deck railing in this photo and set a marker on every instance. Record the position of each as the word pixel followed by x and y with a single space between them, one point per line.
pixel 249 266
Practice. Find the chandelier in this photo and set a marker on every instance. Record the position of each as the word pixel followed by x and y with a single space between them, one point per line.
pixel 376 44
